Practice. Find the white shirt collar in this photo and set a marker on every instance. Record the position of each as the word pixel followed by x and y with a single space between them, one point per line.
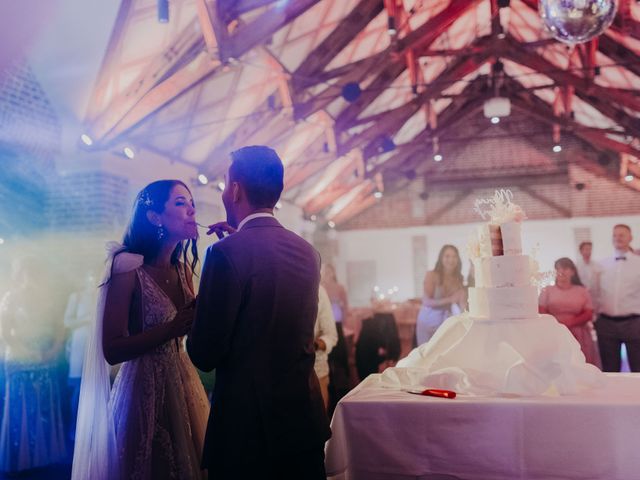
pixel 251 217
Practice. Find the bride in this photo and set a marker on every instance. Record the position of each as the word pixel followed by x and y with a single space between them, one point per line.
pixel 150 424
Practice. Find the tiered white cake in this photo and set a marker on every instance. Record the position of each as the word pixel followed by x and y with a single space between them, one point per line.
pixel 501 346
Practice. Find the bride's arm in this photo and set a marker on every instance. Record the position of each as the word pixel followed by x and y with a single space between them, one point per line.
pixel 117 344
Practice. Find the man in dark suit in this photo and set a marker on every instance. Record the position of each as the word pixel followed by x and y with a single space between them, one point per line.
pixel 254 324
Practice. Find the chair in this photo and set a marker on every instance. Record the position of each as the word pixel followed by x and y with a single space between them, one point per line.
pixel 378 342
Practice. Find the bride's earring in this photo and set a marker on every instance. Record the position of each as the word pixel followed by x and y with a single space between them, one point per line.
pixel 160 232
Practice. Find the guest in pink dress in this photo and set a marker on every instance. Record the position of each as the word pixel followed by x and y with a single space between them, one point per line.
pixel 570 302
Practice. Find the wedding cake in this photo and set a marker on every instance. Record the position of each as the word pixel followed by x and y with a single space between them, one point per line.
pixel 501 345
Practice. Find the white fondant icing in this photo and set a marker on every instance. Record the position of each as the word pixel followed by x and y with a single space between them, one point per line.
pixel 502 271
pixel 484 239
pixel 506 302
pixel 511 238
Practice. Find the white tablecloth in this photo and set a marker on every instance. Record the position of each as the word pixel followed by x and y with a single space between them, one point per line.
pixel 389 434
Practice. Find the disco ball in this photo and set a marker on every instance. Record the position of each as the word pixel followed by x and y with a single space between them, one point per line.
pixel 577 21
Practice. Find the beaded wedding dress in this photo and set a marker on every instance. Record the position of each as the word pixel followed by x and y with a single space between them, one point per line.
pixel 150 424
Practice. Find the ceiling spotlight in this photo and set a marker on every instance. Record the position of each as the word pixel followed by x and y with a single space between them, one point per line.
pixel 202 178
pixel 628 178
pixel 603 159
pixel 221 186
pixel 86 139
pixel 331 224
pixel 437 157
pixel 129 153
pixel 386 145
pixel 495 120
pixel 557 148
pixel 351 92
pixel 278 205
pixel 163 11
pixel 313 218
pixel 378 195
pixel 391 26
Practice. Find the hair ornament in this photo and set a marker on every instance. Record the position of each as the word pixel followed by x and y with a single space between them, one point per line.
pixel 145 199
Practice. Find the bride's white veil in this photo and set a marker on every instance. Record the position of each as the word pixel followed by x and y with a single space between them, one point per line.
pixel 95 456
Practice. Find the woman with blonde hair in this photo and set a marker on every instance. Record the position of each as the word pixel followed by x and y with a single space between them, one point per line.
pixel 443 293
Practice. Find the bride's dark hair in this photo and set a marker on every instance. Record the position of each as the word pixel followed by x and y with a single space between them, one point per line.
pixel 141 236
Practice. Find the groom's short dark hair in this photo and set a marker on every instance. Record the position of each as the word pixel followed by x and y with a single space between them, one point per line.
pixel 260 172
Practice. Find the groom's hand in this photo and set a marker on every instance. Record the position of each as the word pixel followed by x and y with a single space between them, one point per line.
pixel 220 229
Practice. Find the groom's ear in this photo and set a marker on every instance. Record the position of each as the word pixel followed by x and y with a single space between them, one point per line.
pixel 237 192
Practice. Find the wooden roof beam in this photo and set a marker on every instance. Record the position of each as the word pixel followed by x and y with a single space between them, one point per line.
pixel 396 118
pixel 582 87
pixel 232 9
pixel 344 33
pixel 245 37
pixel 184 47
pixel 420 38
pixel 536 107
pixel 214 29
pixel 148 95
pixel 108 67
pixel 457 111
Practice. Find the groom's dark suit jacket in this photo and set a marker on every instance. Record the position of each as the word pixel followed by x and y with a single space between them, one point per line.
pixel 254 322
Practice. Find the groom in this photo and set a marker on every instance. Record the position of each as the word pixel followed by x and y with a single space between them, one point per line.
pixel 254 324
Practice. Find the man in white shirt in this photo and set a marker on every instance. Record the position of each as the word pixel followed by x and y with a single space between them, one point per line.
pixel 619 319
pixel 589 272
pixel 326 337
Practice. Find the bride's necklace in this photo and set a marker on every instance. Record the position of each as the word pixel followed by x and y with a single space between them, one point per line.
pixel 163 274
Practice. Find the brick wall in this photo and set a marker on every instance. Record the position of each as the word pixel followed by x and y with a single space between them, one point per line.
pixel 543 182
pixel 30 138
pixel 28 122
pixel 89 201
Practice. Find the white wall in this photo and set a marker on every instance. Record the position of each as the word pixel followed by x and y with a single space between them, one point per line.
pixel 392 250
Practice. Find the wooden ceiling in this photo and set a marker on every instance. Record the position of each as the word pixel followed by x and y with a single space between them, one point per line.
pixel 227 73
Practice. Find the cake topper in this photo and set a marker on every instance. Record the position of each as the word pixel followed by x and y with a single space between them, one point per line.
pixel 499 208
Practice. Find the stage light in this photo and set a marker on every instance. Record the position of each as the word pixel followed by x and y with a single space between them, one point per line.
pixel 557 148
pixel 351 92
pixel 386 144
pixel 163 11
pixel 86 139
pixel 129 153
pixel 202 178
pixel 495 120
pixel 391 26
pixel 221 186
pixel 628 178
pixel 331 224
pixel 437 157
